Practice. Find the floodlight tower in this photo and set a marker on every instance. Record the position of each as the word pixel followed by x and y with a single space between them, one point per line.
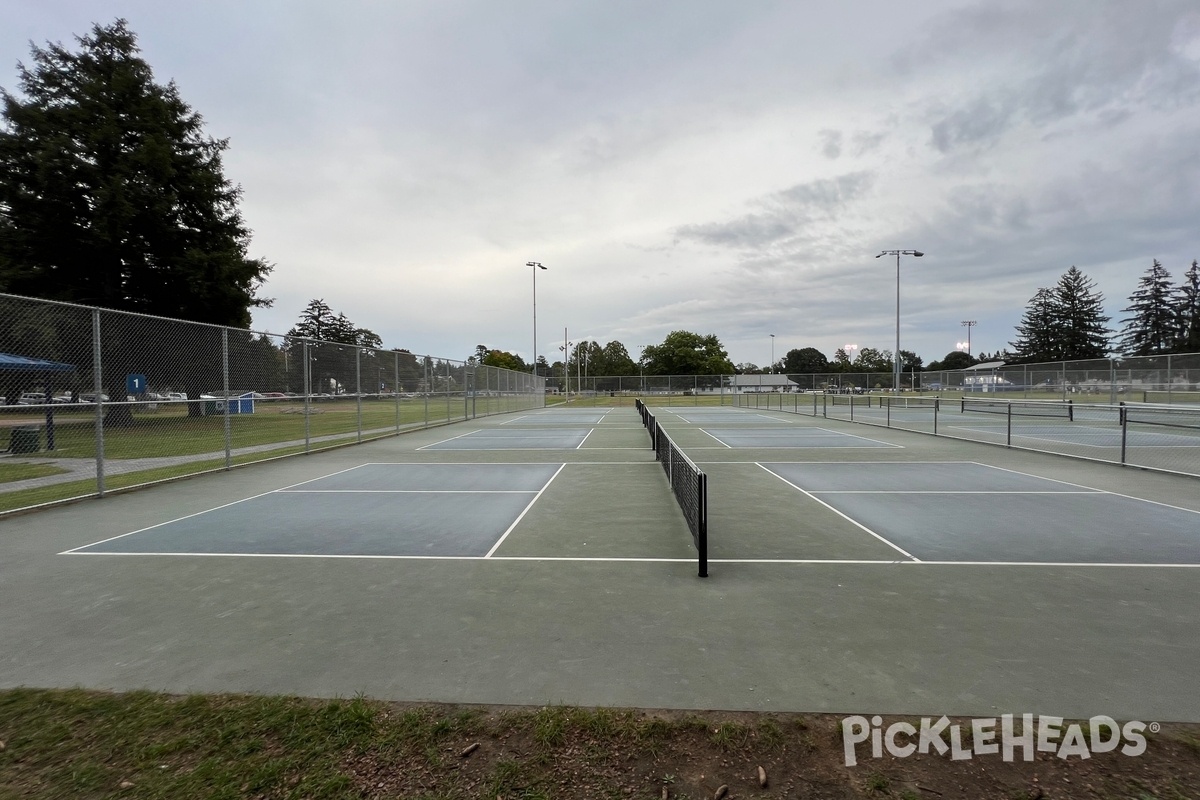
pixel 897 254
pixel 536 266
pixel 968 324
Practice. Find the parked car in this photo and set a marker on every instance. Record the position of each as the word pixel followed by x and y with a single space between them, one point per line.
pixel 32 399
pixel 90 397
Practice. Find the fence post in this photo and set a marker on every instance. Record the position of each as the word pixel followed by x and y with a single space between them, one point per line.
pixel 358 392
pixel 1170 379
pixel 396 388
pixel 98 384
pixel 225 385
pixel 307 399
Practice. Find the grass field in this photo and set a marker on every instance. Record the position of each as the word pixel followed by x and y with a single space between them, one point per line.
pixel 77 744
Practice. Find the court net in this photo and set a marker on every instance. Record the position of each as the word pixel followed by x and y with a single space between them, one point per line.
pixel 925 403
pixel 1017 408
pixel 688 483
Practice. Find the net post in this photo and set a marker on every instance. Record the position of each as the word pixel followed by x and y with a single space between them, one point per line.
pixel 1124 412
pixel 702 533
pixel 1070 411
pixel 1008 438
pixel 937 402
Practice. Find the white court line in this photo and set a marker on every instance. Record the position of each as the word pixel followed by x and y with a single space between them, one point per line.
pixel 854 522
pixel 207 510
pixel 451 439
pixel 864 438
pixel 487 464
pixel 521 516
pixel 1092 488
pixel 528 449
pixel 585 438
pixel 1095 493
pixel 516 419
pixel 406 491
pixel 707 433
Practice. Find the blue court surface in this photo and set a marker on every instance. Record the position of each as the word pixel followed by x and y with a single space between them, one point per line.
pixel 557 418
pixel 376 510
pixel 792 436
pixel 973 513
pixel 515 439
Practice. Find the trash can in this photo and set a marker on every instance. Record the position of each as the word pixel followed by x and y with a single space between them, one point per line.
pixel 25 440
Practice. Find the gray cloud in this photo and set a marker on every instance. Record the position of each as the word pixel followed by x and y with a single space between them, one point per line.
pixel 831 143
pixel 1107 60
pixel 786 214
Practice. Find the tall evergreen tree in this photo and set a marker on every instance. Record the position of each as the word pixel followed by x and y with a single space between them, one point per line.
pixel 1083 332
pixel 111 194
pixel 1154 324
pixel 1186 303
pixel 1037 338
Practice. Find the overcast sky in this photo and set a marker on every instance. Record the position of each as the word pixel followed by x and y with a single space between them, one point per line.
pixel 721 167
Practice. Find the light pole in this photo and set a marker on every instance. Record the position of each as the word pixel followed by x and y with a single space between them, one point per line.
pixel 968 324
pixel 566 350
pixel 536 266
pixel 897 254
pixel 772 353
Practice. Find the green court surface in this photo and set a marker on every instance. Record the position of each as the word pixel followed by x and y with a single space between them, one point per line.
pixel 540 557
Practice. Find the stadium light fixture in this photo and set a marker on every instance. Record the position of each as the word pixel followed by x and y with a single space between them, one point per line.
pixel 897 254
pixel 968 324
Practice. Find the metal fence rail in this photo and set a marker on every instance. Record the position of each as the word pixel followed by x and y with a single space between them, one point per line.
pixel 96 400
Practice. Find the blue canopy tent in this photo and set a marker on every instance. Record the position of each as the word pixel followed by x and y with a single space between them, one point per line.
pixel 41 368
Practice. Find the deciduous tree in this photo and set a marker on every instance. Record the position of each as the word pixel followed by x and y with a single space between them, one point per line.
pixel 687 353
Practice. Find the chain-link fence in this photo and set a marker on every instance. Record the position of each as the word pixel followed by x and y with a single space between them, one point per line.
pixel 93 400
pixel 1138 434
pixel 1169 379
